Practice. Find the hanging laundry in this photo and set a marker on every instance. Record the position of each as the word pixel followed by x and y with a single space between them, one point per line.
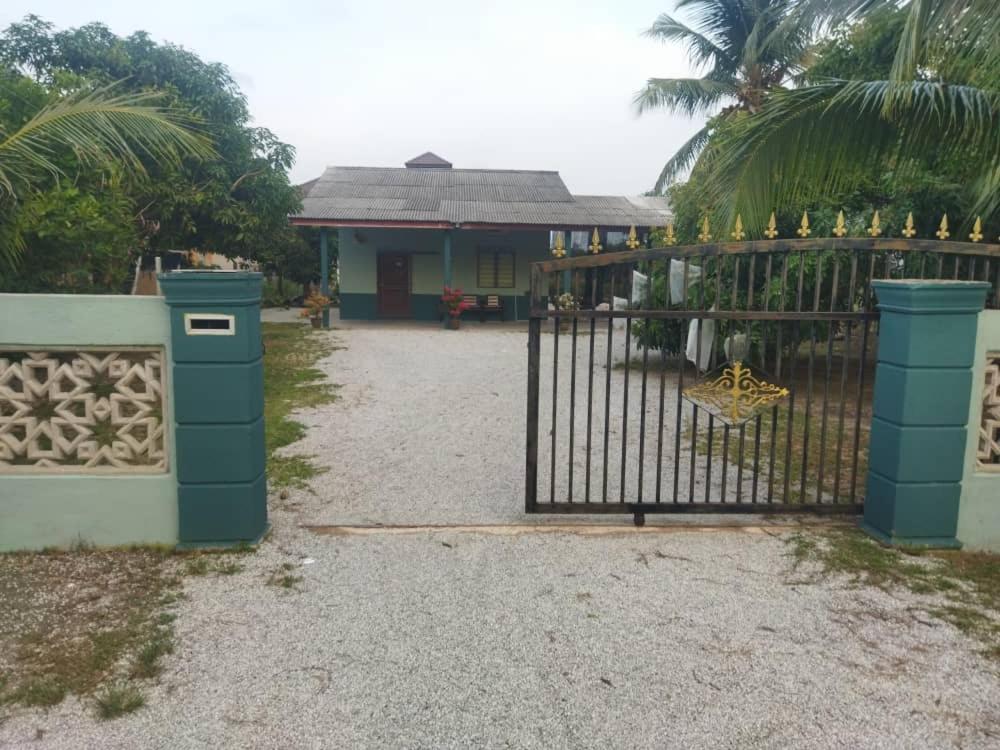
pixel 677 280
pixel 707 336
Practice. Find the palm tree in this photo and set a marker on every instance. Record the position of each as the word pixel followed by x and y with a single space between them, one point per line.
pixel 98 127
pixel 942 98
pixel 749 47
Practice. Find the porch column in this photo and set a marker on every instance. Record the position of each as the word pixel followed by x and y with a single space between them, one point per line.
pixel 324 272
pixel 447 257
pixel 920 409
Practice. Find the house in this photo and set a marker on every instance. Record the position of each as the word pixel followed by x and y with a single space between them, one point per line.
pixel 406 233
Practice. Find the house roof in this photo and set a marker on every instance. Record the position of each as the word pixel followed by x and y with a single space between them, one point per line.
pixel 443 196
pixel 427 159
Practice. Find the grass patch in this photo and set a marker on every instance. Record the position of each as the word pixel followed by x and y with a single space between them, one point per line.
pixel 283 578
pixel 968 581
pixel 118 700
pixel 291 382
pixel 75 622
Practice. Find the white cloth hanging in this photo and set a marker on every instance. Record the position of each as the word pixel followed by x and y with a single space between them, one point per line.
pixel 707 342
pixel 677 280
pixel 640 288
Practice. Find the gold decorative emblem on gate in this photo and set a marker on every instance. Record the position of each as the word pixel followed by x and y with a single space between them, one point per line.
pixel 735 393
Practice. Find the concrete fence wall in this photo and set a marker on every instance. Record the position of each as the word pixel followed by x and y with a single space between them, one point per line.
pixel 57 502
pixel 92 388
pixel 979 512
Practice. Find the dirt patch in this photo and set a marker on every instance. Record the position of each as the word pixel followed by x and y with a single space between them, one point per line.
pixel 72 621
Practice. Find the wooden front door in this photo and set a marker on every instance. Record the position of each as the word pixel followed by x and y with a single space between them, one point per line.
pixel 394 285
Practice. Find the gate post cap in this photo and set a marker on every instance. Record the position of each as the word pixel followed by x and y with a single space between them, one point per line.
pixel 211 287
pixel 930 296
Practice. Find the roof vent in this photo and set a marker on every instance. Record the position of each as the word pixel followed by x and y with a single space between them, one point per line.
pixel 428 160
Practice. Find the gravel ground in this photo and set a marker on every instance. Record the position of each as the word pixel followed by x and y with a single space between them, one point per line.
pixel 520 637
pixel 444 639
pixel 430 428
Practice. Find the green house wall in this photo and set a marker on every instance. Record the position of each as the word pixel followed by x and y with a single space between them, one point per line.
pixel 359 249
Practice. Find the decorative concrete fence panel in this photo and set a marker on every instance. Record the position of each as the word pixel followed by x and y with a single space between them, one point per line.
pixel 979 514
pixel 107 439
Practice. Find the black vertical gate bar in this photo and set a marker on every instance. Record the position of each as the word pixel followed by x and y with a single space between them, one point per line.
pixel 763 338
pixel 534 367
pixel 711 366
pixel 557 321
pixel 829 376
pixel 777 374
pixel 843 377
pixel 628 368
pixel 680 388
pixel 697 368
pixel 792 367
pixel 663 389
pixel 590 376
pixel 647 303
pixel 743 433
pixel 607 391
pixel 862 360
pixel 809 387
pixel 572 409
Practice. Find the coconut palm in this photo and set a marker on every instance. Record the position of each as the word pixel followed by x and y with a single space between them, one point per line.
pixel 942 98
pixel 99 128
pixel 747 47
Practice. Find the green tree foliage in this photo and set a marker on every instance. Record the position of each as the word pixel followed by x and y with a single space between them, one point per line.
pixel 236 205
pixel 930 121
pixel 747 47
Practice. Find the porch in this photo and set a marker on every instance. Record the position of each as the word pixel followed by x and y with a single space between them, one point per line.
pixel 400 273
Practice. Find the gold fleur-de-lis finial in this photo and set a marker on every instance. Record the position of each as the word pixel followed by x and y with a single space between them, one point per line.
pixel 841 229
pixel 804 230
pixel 738 233
pixel 705 234
pixel 943 233
pixel 876 228
pixel 559 249
pixel 772 227
pixel 670 238
pixel 595 242
pixel 908 230
pixel 977 230
pixel 633 240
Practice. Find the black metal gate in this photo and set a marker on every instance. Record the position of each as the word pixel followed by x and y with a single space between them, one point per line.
pixel 731 377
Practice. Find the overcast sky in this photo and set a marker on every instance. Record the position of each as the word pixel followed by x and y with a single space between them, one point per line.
pixel 520 84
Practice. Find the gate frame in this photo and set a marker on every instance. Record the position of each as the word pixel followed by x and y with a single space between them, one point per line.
pixel 869 314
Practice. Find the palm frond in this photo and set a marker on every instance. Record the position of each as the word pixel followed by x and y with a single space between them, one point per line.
pixel 689 96
pixel 701 49
pixel 683 159
pixel 823 139
pixel 98 127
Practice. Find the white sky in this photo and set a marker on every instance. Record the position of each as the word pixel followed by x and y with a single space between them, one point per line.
pixel 521 84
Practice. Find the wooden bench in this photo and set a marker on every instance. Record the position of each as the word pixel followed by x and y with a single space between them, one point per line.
pixel 490 304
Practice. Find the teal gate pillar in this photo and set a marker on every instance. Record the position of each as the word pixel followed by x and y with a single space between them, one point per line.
pixel 218 377
pixel 923 385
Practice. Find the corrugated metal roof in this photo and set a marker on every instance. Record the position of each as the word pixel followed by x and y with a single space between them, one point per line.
pixel 464 196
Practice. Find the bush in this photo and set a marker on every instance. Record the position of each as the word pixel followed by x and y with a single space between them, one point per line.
pixel 281 294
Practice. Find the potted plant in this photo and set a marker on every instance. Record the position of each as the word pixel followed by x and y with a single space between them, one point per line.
pixel 565 301
pixel 315 304
pixel 454 303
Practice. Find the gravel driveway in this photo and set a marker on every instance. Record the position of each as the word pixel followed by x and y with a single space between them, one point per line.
pixel 511 636
pixel 430 428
